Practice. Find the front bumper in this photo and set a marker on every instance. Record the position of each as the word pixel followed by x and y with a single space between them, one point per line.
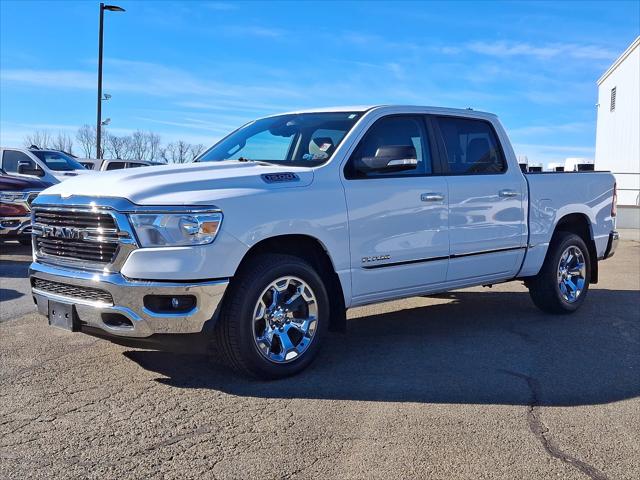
pixel 612 244
pixel 127 301
pixel 15 226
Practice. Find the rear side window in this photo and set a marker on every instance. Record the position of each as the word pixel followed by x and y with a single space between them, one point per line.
pixel 471 146
pixel 405 132
pixel 11 158
pixel 116 166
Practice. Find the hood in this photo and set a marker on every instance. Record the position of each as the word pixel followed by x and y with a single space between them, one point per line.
pixel 73 173
pixel 20 184
pixel 187 184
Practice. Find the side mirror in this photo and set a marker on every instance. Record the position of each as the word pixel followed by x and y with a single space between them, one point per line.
pixel 391 158
pixel 28 168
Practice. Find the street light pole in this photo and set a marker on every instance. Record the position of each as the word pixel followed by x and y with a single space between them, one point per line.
pixel 99 121
pixel 111 8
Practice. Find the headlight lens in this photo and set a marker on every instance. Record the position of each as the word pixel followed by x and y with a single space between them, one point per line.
pixel 11 197
pixel 175 229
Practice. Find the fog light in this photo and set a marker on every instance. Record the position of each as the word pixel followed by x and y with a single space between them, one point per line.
pixel 169 303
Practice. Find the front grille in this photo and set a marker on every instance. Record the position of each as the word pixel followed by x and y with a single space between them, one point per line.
pixel 81 235
pixel 72 291
pixel 90 251
pixel 75 218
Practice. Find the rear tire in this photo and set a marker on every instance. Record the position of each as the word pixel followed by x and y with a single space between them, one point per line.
pixel 274 317
pixel 563 281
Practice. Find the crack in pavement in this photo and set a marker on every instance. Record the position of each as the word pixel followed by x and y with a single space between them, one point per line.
pixel 541 432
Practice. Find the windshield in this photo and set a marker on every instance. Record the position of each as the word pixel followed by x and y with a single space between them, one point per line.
pixel 303 139
pixel 58 161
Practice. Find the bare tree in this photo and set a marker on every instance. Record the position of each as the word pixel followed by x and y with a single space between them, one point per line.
pixel 154 146
pixel 63 143
pixel 39 138
pixel 117 147
pixel 86 137
pixel 176 152
pixel 195 151
pixel 138 145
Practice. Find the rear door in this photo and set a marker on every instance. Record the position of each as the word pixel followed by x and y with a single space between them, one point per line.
pixel 397 220
pixel 487 229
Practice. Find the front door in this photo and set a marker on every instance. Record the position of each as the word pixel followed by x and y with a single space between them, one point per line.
pixel 397 218
pixel 487 224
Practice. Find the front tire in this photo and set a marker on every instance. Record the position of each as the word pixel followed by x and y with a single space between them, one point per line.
pixel 563 281
pixel 274 317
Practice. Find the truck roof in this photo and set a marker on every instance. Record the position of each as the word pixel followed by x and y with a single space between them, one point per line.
pixel 407 108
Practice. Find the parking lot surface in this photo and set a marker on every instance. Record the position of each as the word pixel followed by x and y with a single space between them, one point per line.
pixel 473 384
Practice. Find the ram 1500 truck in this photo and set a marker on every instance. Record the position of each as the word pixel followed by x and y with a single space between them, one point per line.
pixel 269 236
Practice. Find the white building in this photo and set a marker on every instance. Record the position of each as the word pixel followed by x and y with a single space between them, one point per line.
pixel 618 131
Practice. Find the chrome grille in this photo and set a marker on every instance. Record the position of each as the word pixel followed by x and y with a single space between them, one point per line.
pixel 72 291
pixel 75 218
pixel 75 235
pixel 91 251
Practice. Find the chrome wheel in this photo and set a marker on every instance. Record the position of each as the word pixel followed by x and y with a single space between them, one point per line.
pixel 571 274
pixel 285 319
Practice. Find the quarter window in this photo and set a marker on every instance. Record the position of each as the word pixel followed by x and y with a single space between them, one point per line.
pixel 403 136
pixel 471 146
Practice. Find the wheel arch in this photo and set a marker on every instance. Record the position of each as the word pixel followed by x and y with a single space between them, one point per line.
pixel 315 252
pixel 579 224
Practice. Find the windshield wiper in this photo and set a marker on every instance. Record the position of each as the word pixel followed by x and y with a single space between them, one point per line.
pixel 259 162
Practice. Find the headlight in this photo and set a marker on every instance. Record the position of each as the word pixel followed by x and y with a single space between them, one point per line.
pixel 175 229
pixel 11 197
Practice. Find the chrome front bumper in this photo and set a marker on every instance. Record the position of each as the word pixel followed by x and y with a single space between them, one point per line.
pixel 128 301
pixel 15 226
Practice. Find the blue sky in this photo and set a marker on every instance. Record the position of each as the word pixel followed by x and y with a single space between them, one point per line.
pixel 194 70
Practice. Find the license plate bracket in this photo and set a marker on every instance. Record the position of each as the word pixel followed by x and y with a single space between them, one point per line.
pixel 62 315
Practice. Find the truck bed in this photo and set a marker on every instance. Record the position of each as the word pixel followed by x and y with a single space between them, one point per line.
pixel 552 195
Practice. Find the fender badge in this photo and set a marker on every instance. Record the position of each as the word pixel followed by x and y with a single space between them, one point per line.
pixel 280 177
pixel 375 258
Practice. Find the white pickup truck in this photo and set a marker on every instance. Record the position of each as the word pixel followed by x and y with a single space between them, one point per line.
pixel 265 241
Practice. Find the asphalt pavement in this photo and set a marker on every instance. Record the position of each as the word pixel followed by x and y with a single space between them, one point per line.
pixel 472 384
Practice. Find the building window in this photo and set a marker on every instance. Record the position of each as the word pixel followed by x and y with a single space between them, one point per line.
pixel 613 99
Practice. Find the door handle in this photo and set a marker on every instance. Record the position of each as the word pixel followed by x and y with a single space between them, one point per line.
pixel 431 197
pixel 507 193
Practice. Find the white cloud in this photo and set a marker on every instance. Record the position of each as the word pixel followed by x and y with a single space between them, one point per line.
pixel 254 30
pixel 220 6
pixel 541 51
pixel 50 78
pixel 150 79
pixel 536 130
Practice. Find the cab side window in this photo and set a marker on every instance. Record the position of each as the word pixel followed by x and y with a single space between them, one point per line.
pixel 471 146
pixel 116 165
pixel 12 158
pixel 393 146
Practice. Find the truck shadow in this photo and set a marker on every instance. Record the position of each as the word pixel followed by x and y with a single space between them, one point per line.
pixel 17 266
pixel 493 348
pixel 7 294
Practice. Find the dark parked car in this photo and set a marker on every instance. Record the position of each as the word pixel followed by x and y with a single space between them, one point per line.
pixel 16 195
